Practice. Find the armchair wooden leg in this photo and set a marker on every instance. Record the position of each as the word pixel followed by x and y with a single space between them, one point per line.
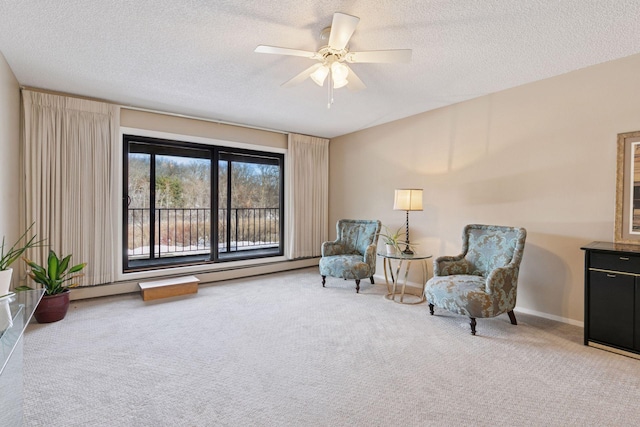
pixel 431 308
pixel 357 286
pixel 324 278
pixel 372 282
pixel 512 317
pixel 473 325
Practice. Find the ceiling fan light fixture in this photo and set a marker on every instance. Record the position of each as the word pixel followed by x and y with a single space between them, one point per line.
pixel 319 75
pixel 337 84
pixel 339 71
pixel 333 53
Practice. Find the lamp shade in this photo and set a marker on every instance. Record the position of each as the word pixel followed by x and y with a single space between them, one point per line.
pixel 408 199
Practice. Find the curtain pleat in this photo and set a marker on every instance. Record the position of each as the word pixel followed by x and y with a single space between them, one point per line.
pixel 308 196
pixel 70 172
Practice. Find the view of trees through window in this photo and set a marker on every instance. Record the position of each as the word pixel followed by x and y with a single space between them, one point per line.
pixel 182 206
pixel 254 202
pixel 170 199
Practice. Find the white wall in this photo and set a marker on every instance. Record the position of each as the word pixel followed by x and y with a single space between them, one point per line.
pixel 9 157
pixel 200 128
pixel 541 156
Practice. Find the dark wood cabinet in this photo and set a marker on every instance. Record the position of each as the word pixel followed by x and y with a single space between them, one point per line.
pixel 612 296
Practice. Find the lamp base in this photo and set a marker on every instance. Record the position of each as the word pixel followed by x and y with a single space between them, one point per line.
pixel 407 250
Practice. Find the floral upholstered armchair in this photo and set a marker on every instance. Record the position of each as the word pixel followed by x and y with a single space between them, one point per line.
pixel 481 281
pixel 352 256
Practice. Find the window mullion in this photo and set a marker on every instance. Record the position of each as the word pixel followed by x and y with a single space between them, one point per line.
pixel 214 229
pixel 152 207
pixel 229 166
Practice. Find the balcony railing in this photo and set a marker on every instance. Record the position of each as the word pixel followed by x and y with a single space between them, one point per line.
pixel 187 231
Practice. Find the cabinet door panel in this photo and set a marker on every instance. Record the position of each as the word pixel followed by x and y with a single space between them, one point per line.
pixel 636 343
pixel 611 308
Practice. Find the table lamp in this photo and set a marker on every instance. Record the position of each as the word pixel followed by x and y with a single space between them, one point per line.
pixel 408 199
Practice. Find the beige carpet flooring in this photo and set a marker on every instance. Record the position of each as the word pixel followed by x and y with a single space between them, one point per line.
pixel 279 350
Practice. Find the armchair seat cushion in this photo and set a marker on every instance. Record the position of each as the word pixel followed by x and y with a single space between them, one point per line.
pixel 350 267
pixel 463 294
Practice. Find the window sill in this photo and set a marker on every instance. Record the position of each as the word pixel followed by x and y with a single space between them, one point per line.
pixel 195 268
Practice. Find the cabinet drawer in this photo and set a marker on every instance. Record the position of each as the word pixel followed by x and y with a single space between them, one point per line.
pixel 615 262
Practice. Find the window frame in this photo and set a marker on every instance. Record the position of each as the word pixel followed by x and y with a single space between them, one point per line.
pixel 165 146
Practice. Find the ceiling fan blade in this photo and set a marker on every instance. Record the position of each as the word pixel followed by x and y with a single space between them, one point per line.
pixel 342 29
pixel 285 51
pixel 355 84
pixel 302 76
pixel 379 56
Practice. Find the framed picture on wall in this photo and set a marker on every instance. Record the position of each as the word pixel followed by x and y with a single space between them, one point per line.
pixel 627 221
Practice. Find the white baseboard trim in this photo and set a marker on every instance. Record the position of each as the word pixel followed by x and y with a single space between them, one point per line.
pixel 379 279
pixel 131 286
pixel 550 316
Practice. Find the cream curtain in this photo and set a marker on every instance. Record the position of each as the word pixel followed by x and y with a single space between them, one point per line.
pixel 70 168
pixel 308 210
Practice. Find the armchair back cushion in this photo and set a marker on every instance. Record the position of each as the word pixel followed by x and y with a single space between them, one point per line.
pixel 357 235
pixel 489 247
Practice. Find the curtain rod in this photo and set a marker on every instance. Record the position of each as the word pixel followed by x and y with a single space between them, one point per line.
pixel 149 110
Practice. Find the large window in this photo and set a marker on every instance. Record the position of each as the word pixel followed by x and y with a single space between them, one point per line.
pixel 189 203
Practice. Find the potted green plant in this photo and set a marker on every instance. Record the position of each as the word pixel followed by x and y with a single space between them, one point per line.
pixel 392 239
pixel 54 278
pixel 8 256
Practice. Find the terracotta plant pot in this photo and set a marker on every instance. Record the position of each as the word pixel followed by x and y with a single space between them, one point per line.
pixel 52 307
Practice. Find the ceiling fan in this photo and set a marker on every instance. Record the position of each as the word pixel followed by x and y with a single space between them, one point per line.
pixel 332 57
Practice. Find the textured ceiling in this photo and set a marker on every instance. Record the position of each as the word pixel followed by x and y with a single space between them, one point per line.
pixel 196 57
